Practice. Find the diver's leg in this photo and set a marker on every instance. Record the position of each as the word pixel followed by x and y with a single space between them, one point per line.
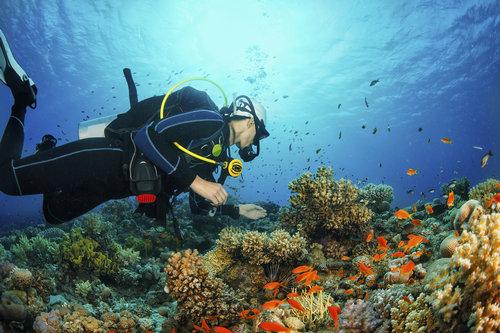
pixel 63 206
pixel 11 144
pixel 64 167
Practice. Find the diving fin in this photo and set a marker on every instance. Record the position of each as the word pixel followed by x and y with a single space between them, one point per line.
pixel 11 73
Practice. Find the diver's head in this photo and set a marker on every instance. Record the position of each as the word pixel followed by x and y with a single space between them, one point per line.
pixel 247 120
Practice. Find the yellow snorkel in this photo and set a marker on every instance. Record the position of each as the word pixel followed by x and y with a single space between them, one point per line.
pixel 234 167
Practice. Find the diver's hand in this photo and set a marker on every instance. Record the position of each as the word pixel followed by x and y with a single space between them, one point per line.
pixel 252 211
pixel 214 192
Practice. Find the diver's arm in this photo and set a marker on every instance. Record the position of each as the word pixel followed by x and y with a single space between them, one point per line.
pixel 156 139
pixel 201 206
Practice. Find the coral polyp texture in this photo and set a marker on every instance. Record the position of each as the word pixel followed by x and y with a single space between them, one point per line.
pixel 467 294
pixel 198 294
pixel 321 204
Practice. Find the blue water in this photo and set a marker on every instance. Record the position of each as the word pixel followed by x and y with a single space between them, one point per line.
pixel 438 63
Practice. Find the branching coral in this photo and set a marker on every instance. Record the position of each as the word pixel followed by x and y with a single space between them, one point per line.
pixel 199 294
pixel 315 314
pixel 413 316
pixel 322 204
pixel 377 197
pixel 468 292
pixel 259 248
pixel 37 250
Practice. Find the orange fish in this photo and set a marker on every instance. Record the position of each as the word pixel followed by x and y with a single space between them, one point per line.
pixel 272 285
pixel 348 292
pixel 414 208
pixel 205 326
pixel 394 269
pixel 379 256
pixel 497 186
pixel 428 209
pixel 290 295
pixel 272 304
pixel 414 240
pixel 353 277
pixel 334 312
pixel 301 269
pixel 220 329
pixel 382 243
pixel 345 258
pixel 406 299
pixel 369 236
pixel 314 289
pixel 173 330
pixel 249 314
pixel 402 214
pixel 312 277
pixel 273 327
pixel 341 273
pixel 398 254
pixel 365 269
pixel 493 200
pixel 295 304
pixel 400 244
pixel 446 140
pixel 407 268
pixel 416 222
pixel 451 199
pixel 302 276
pixel 411 172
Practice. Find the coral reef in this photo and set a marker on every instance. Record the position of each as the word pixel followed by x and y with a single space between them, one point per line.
pixel 259 248
pixel 466 293
pixel 377 197
pixel 359 316
pixel 198 294
pixel 482 192
pixel 459 186
pixel 321 204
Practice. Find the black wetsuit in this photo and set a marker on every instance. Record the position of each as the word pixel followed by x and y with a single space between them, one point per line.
pixel 78 176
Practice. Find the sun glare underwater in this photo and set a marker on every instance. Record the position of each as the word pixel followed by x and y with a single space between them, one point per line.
pixel 249 166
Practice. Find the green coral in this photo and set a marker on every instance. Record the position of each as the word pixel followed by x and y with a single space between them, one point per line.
pixel 78 252
pixel 83 288
pixel 37 250
pixel 321 204
pixel 482 192
pixel 377 197
pixel 3 253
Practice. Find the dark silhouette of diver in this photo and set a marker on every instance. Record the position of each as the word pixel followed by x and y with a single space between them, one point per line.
pixel 140 154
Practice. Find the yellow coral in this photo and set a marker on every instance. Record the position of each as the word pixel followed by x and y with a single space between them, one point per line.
pixel 322 204
pixel 470 294
pixel 315 314
pixel 216 260
pixel 413 317
pixel 199 294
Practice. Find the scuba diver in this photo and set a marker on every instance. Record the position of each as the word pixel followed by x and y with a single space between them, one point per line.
pixel 162 146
